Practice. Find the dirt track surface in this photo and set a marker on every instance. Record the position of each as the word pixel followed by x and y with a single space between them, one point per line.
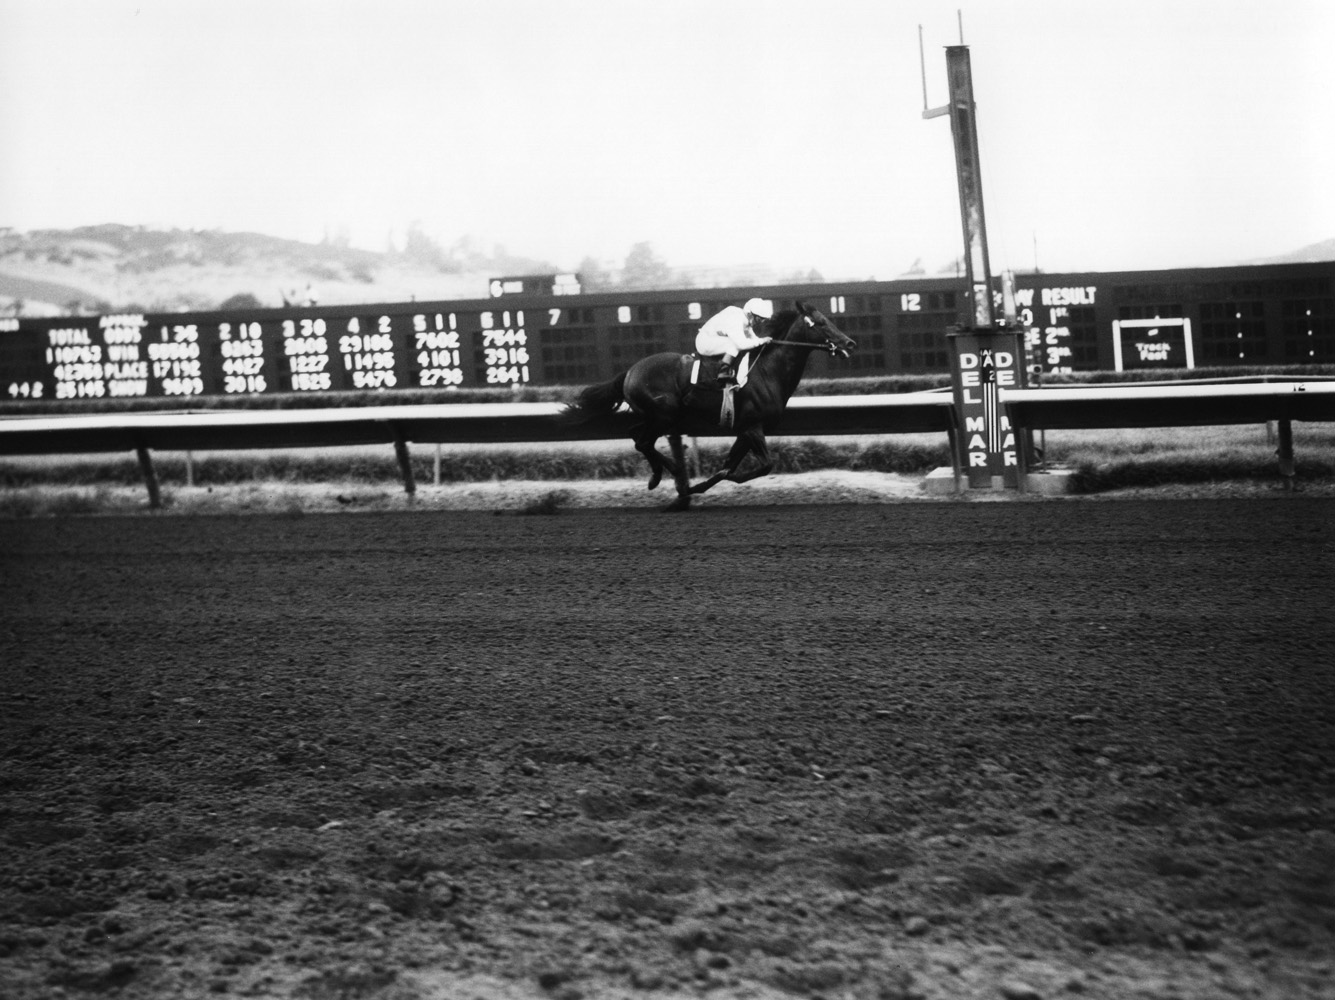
pixel 938 750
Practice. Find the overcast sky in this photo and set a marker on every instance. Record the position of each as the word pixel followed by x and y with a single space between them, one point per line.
pixel 1114 135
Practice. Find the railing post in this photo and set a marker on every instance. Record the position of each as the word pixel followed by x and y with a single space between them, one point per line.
pixel 405 460
pixel 150 476
pixel 1287 470
pixel 1024 440
pixel 952 436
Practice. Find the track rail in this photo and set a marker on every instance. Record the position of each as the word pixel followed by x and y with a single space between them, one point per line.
pixel 1156 404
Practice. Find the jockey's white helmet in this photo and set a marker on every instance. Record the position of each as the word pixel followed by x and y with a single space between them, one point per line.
pixel 763 308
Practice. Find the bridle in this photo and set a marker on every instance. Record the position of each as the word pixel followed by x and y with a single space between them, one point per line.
pixel 828 345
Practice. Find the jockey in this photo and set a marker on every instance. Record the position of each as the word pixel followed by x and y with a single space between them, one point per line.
pixel 731 331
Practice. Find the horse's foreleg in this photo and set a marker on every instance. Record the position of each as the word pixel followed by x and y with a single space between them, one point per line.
pixel 756 473
pixel 759 448
pixel 736 455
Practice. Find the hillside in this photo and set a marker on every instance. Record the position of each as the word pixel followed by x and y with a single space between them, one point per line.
pixel 1325 250
pixel 119 268
pixel 116 268
pixel 132 268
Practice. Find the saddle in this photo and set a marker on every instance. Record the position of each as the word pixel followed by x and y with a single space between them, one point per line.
pixel 704 372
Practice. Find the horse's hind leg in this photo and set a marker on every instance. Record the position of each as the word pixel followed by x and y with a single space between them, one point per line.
pixel 645 440
pixel 644 444
pixel 679 476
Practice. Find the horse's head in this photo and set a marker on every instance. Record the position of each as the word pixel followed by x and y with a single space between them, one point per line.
pixel 805 325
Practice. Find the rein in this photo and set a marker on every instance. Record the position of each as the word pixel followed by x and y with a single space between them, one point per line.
pixel 827 346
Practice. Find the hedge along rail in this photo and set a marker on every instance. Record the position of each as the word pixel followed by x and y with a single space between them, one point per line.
pixel 445 423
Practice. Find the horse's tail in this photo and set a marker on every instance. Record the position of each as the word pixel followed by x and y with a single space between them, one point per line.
pixel 596 402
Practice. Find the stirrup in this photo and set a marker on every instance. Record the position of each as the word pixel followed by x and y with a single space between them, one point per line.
pixel 726 375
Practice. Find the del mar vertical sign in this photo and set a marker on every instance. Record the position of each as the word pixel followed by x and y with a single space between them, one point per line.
pixel 984 362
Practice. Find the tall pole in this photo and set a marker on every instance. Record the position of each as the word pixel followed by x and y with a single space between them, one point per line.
pixel 986 355
pixel 922 63
pixel 968 170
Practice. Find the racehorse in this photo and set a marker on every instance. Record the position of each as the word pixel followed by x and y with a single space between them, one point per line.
pixel 659 391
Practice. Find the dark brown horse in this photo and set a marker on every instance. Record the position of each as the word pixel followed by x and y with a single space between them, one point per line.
pixel 659 392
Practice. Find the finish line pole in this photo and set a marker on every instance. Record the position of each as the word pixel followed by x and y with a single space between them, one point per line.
pixel 986 356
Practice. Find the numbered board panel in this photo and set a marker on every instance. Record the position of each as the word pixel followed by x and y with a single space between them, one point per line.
pixel 436 346
pixel 1072 322
pixel 126 356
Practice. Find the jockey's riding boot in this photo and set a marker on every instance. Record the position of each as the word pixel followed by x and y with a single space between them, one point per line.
pixel 726 376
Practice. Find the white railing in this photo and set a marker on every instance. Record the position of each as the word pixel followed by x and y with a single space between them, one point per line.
pixel 1170 404
pixel 452 423
pixel 1152 404
pixel 1174 404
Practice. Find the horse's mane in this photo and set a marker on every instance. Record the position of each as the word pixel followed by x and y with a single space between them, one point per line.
pixel 782 322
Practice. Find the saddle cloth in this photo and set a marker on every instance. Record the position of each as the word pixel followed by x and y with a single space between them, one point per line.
pixel 727 410
pixel 743 368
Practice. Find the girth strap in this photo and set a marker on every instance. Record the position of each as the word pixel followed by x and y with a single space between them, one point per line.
pixel 728 412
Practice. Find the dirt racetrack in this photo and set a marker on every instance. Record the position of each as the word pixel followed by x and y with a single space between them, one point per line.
pixel 936 750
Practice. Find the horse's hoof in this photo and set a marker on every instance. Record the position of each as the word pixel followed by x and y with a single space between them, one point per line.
pixel 654 480
pixel 681 503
